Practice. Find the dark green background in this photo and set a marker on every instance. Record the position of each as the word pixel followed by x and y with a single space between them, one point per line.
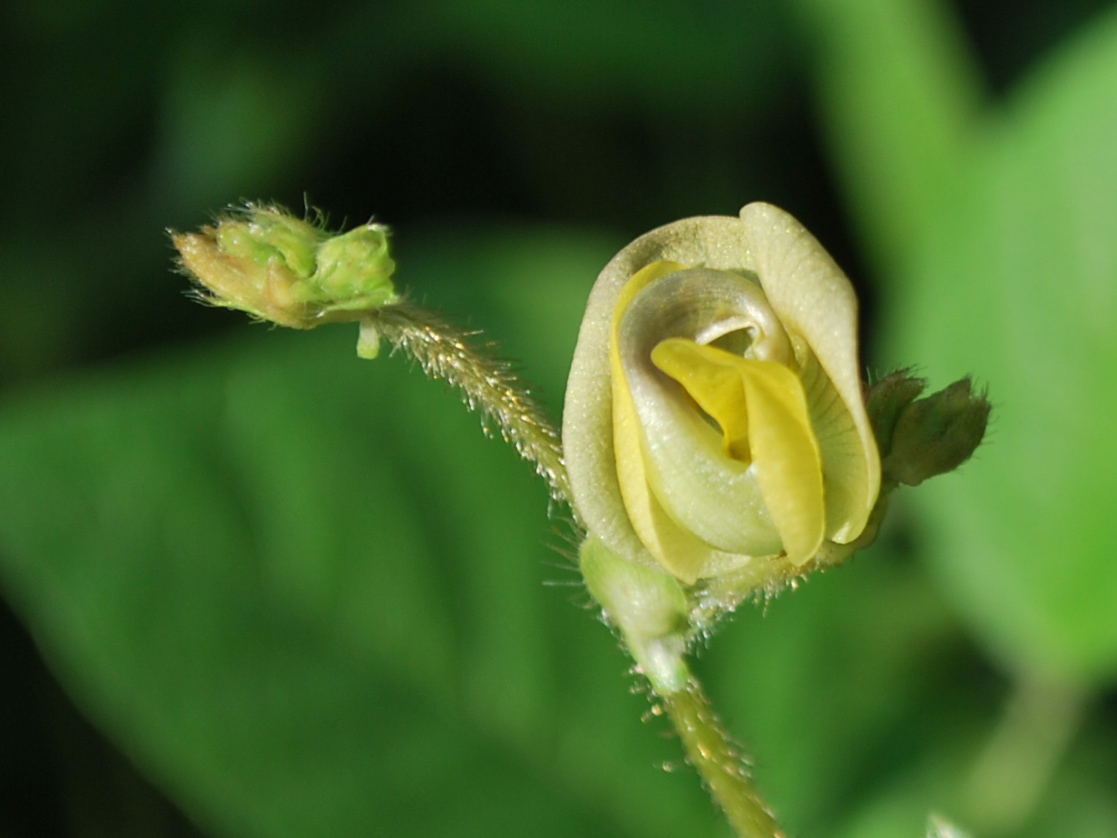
pixel 256 587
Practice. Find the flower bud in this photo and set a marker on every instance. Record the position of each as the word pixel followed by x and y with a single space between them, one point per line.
pixel 921 438
pixel 288 271
pixel 714 414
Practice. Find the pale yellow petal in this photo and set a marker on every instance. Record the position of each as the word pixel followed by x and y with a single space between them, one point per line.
pixel 714 380
pixel 762 412
pixel 711 497
pixel 682 554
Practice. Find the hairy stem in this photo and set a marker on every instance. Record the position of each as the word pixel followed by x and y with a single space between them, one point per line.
pixel 719 761
pixel 487 384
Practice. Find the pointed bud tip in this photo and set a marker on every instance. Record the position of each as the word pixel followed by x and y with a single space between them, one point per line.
pixel 936 434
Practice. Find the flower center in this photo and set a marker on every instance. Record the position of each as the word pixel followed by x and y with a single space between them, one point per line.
pixel 712 433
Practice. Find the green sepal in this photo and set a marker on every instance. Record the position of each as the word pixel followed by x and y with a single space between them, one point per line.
pixel 267 234
pixel 648 606
pixel 887 399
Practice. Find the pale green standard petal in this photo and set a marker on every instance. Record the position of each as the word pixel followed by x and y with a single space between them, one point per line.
pixel 588 415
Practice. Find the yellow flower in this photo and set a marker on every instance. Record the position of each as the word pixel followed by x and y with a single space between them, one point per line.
pixel 714 413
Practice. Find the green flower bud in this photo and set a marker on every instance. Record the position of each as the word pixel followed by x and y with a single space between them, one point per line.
pixel 276 267
pixel 935 434
pixel 354 269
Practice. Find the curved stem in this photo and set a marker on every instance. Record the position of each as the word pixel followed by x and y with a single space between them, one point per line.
pixel 487 383
pixel 651 611
pixel 720 762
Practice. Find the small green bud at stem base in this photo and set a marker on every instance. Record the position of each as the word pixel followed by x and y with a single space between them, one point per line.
pixel 649 608
pixel 368 341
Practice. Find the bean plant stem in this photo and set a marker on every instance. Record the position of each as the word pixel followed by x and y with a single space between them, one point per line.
pixel 488 384
pixel 719 761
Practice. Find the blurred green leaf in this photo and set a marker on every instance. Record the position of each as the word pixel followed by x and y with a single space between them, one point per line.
pixel 304 593
pixel 1009 274
pixel 662 53
pixel 899 93
pixel 1078 804
pixel 237 117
